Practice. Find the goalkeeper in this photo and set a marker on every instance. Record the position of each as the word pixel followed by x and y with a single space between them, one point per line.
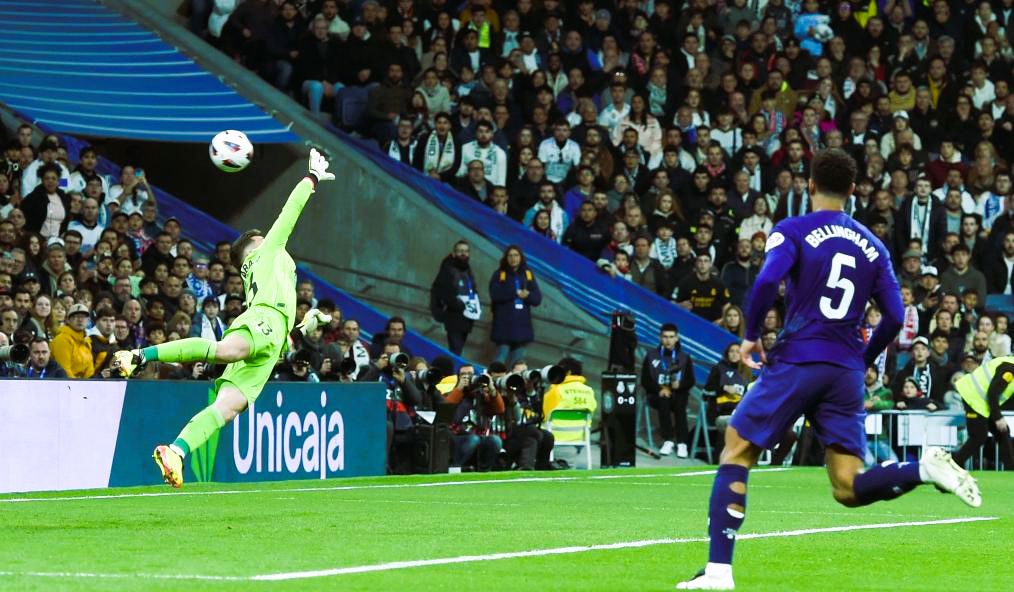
pixel 255 339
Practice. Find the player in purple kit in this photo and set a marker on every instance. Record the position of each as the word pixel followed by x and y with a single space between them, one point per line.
pixel 833 266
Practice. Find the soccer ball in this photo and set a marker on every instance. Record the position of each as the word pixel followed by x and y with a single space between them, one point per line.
pixel 230 150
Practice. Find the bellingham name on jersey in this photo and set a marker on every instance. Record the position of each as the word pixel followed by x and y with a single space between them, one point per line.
pixel 819 235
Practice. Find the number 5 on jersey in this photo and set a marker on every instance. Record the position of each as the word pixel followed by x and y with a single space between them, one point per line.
pixel 835 281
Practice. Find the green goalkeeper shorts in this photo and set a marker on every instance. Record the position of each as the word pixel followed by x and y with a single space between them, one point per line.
pixel 267 330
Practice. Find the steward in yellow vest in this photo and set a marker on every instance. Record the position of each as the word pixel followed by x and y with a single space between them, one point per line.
pixel 986 392
pixel 572 393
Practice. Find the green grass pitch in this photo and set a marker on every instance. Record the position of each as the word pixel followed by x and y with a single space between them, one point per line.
pixel 396 530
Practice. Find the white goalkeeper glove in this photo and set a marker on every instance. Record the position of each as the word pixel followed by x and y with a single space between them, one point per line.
pixel 318 166
pixel 313 319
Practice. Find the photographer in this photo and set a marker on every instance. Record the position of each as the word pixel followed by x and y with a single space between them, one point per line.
pixel 295 368
pixel 667 375
pixel 324 357
pixel 390 368
pixel 478 403
pixel 527 445
pixel 427 377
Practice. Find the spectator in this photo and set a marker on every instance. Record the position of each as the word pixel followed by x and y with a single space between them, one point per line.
pixel 35 321
pixel 454 299
pixel 514 292
pixel 558 220
pixel 437 153
pixel 758 221
pixel 646 271
pixel 961 275
pixel 54 266
pixel 31 176
pixel 85 172
pixel 47 206
pixel 39 364
pixel 103 339
pixel 739 274
pixel 559 153
pixel 667 376
pixel 493 158
pixel 700 292
pixel 387 102
pixel 358 348
pixel 394 332
pixel 927 379
pixel 282 45
pixel 727 383
pixel 318 65
pixel 71 347
pixel 588 234
pixel 133 192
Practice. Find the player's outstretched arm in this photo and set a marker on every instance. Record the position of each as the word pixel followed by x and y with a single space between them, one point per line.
pixel 286 221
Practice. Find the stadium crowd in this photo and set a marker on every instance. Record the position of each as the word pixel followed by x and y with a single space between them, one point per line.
pixel 661 140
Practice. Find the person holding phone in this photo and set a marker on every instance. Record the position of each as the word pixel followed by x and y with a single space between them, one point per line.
pixel 133 192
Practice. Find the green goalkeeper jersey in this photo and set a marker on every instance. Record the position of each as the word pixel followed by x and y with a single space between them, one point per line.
pixel 269 273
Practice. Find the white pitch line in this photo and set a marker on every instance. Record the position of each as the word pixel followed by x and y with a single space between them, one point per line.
pixel 396 565
pixel 583 549
pixel 15 500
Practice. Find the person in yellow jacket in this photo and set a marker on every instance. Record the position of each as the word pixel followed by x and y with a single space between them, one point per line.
pixel 572 393
pixel 986 392
pixel 72 349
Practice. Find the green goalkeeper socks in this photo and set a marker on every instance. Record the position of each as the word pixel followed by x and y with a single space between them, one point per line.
pixel 199 430
pixel 192 349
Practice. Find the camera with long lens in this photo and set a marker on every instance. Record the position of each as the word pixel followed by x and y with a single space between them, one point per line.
pixel 17 353
pixel 400 361
pixel 479 382
pixel 511 386
pixel 541 380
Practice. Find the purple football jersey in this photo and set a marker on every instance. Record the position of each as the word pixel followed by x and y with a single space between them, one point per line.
pixel 833 266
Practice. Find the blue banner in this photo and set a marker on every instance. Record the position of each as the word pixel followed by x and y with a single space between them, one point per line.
pixel 292 431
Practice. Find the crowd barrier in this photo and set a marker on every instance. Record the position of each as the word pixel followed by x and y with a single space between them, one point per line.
pixel 61 435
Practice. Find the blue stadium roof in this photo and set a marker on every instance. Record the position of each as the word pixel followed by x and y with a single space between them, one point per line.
pixel 77 67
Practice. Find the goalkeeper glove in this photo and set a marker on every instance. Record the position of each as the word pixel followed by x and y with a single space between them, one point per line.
pixel 311 320
pixel 318 167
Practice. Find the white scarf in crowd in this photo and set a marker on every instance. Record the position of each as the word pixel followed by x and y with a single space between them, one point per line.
pixel 436 158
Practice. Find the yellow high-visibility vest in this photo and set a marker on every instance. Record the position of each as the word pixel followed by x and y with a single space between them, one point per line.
pixel 973 386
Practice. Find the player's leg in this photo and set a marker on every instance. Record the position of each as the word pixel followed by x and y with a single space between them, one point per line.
pixel 726 512
pixel 839 424
pixel 233 348
pixel 229 402
pixel 239 385
pixel 760 421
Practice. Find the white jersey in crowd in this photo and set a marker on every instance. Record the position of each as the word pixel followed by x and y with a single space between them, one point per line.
pixel 77 183
pixel 559 160
pixel 89 236
pixel 30 177
pixel 493 158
